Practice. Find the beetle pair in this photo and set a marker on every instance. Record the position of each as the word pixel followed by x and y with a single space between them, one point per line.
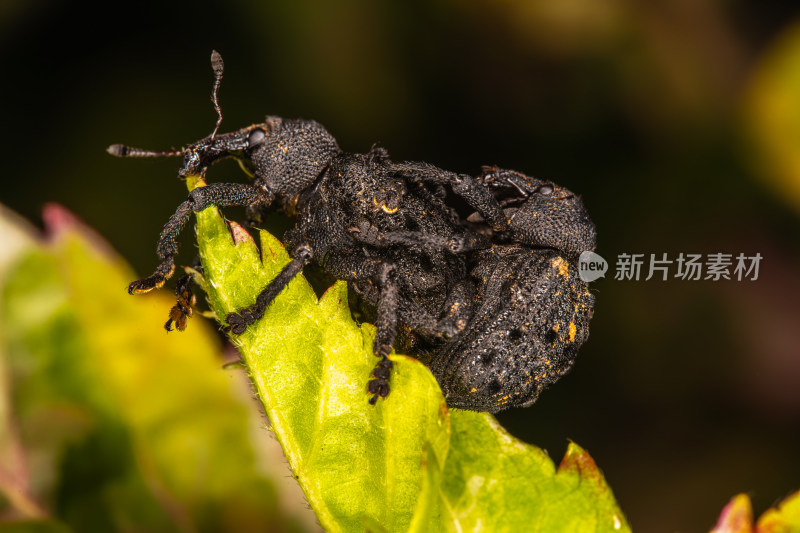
pixel 494 296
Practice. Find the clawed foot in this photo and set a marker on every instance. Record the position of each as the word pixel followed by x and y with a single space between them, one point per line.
pixel 379 386
pixel 238 322
pixel 182 309
pixel 141 286
pixel 156 280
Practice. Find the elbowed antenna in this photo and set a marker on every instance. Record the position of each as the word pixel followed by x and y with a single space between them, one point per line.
pixel 121 150
pixel 217 66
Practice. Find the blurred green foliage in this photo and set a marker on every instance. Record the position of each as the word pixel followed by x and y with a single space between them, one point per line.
pixel 737 517
pixel 109 424
pixel 772 115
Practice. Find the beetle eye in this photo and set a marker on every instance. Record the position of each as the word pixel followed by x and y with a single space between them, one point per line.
pixel 544 189
pixel 256 137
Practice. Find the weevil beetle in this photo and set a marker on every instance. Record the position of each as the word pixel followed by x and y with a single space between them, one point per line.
pixel 388 229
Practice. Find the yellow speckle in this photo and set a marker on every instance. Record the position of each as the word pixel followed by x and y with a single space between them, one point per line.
pixel 572 330
pixel 473 389
pixel 561 265
pixel 556 327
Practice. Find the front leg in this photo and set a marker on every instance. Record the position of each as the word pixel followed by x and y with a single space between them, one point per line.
pixel 215 194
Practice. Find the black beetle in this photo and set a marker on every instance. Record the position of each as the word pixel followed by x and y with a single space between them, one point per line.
pixel 459 283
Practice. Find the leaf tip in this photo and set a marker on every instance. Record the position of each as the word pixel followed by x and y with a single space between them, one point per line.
pixel 578 461
pixel 274 247
pixel 57 220
pixel 335 296
pixel 239 234
pixel 60 221
pixel 736 516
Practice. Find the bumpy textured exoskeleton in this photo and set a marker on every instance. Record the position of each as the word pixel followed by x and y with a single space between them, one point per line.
pixel 531 309
pixel 365 219
pixel 495 298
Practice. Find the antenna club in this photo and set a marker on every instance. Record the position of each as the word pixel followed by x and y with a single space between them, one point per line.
pixel 216 63
pixel 117 150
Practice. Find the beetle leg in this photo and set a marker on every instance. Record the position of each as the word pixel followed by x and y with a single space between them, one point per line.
pixel 477 196
pixel 355 268
pixel 182 310
pixel 239 321
pixel 368 234
pixel 386 325
pixel 215 194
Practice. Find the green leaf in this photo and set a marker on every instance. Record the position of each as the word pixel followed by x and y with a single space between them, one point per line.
pixel 784 518
pixel 494 481
pixel 394 466
pixel 772 115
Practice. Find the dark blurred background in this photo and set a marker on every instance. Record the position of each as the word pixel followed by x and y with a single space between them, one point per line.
pixel 678 121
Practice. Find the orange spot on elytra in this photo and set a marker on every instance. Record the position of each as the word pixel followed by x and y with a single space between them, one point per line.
pixel 561 265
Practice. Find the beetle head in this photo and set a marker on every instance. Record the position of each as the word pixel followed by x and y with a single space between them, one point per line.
pixel 284 156
pixel 541 213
